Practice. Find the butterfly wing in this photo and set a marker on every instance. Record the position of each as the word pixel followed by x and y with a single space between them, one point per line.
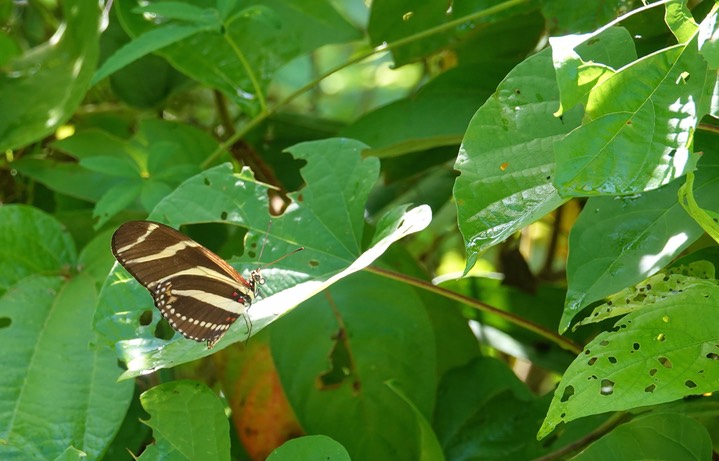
pixel 198 293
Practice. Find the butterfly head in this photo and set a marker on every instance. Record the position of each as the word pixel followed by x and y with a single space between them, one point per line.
pixel 256 279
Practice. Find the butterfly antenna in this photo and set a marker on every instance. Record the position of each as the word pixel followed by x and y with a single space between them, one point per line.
pixel 281 257
pixel 264 242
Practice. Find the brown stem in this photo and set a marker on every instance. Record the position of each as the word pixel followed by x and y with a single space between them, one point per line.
pixel 556 338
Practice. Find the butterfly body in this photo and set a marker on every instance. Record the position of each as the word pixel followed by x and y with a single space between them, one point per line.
pixel 199 294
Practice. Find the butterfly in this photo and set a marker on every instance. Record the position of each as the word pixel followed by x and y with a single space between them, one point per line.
pixel 198 292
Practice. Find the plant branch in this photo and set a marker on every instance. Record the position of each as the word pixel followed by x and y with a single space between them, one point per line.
pixel 596 434
pixel 556 338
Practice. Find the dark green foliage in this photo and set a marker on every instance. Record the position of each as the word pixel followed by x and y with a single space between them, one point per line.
pixel 564 162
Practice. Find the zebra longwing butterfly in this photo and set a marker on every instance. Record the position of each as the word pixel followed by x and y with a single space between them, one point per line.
pixel 198 293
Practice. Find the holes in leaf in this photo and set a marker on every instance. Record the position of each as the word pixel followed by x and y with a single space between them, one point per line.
pixel 207 182
pixel 635 346
pixel 612 360
pixel 591 361
pixel 223 215
pixel 712 356
pixel 607 387
pixel 650 388
pixel 567 394
pixel 665 362
pixel 592 378
pixel 653 372
pixel 163 330
pixel 5 322
pixel 690 384
pixel 587 352
pixel 661 337
pixel 146 318
pixel 665 319
pixel 314 263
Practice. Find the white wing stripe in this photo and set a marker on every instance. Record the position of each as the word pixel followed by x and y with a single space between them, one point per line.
pixel 168 252
pixel 217 301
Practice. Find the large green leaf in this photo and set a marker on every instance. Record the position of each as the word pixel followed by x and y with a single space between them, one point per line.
pixel 335 353
pixel 638 130
pixel 188 422
pixel 326 218
pixel 618 242
pixel 58 389
pixel 41 90
pixel 653 355
pixel 507 157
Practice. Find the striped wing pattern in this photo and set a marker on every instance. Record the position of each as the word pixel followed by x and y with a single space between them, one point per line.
pixel 198 293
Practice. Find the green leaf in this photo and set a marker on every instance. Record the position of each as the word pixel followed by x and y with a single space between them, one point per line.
pixel 42 89
pixel 656 287
pixel 34 242
pixel 115 200
pixel 179 10
pixel 654 355
pixel 436 116
pixel 709 40
pixel 94 258
pixel 429 448
pixel 65 177
pixel 506 160
pixel 335 353
pixel 408 21
pixel 566 18
pixel 258 38
pixel 310 447
pixel 618 242
pixel 149 42
pixel 157 158
pixel 680 20
pixel 654 436
pixel 636 135
pixel 463 395
pixel 706 219
pixel 577 77
pixel 326 218
pixel 49 339
pixel 188 422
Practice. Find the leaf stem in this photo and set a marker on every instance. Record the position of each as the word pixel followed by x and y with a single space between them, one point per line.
pixel 596 434
pixel 556 338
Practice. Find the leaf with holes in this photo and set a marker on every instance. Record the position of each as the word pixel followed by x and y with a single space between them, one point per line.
pixel 656 287
pixel 326 217
pixel 654 355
